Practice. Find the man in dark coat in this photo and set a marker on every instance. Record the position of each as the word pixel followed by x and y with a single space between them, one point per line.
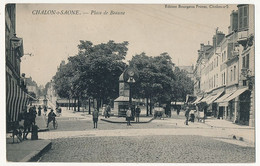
pixel 26 124
pixel 95 117
pixel 187 111
pixel 137 113
pixel 51 117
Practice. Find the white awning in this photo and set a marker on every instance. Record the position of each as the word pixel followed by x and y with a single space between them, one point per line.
pixel 205 99
pixel 222 98
pixel 213 98
pixel 177 103
pixel 235 94
pixel 197 100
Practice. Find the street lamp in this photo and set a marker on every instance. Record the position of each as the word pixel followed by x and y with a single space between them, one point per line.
pixel 17 45
pixel 130 76
pixel 45 101
pixel 130 81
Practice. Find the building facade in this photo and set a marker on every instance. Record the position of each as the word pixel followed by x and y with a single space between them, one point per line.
pixel 224 73
pixel 16 97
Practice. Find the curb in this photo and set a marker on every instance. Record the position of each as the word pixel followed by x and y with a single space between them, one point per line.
pixel 35 155
pixel 43 130
pixel 110 121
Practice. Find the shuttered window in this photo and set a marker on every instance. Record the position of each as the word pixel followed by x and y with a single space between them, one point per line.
pixel 243 17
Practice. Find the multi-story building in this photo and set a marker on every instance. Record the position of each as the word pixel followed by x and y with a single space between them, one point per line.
pixel 203 54
pixel 16 98
pixel 224 75
pixel 246 34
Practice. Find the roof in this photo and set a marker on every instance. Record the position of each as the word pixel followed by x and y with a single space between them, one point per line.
pixel 123 98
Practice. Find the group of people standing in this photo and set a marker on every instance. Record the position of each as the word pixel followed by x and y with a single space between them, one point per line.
pixel 28 117
pixel 131 113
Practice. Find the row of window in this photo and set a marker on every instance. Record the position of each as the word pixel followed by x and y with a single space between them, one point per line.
pixel 215 62
pixel 213 81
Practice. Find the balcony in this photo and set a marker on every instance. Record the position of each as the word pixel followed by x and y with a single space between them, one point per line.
pixel 243 37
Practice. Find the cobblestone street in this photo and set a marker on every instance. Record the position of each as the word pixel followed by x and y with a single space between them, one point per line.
pixel 159 141
pixel 169 149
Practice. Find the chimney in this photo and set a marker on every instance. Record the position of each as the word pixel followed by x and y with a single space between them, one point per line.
pixel 220 37
pixel 202 47
pixel 214 41
pixel 217 38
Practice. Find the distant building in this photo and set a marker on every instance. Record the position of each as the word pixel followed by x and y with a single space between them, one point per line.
pixel 52 96
pixel 188 69
pixel 32 87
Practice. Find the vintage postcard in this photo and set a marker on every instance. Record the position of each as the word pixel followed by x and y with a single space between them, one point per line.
pixel 130 83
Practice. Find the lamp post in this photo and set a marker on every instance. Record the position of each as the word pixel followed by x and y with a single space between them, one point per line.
pixel 130 77
pixel 45 101
pixel 130 81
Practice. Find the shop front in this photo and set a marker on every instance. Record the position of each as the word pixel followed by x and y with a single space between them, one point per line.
pixel 236 106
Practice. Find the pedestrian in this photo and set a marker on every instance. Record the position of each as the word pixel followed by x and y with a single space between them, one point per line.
pixel 32 114
pixel 178 110
pixel 187 111
pixel 60 110
pixel 51 117
pixel 137 111
pixel 192 115
pixel 26 124
pixel 128 116
pixel 95 117
pixel 108 110
pixel 39 111
pixel 104 110
pixel 45 110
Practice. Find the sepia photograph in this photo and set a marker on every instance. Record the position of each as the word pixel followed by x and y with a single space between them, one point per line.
pixel 129 83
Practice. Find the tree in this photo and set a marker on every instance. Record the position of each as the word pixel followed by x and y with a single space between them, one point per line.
pixel 93 72
pixel 156 76
pixel 182 86
pixel 102 68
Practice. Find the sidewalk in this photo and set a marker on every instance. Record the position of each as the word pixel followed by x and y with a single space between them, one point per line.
pixel 114 119
pixel 236 131
pixel 27 150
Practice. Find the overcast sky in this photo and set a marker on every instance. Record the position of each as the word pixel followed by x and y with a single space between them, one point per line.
pixel 152 29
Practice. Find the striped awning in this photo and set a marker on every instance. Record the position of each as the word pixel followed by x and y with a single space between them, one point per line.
pixel 213 98
pixel 222 98
pixel 236 93
pixel 16 100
